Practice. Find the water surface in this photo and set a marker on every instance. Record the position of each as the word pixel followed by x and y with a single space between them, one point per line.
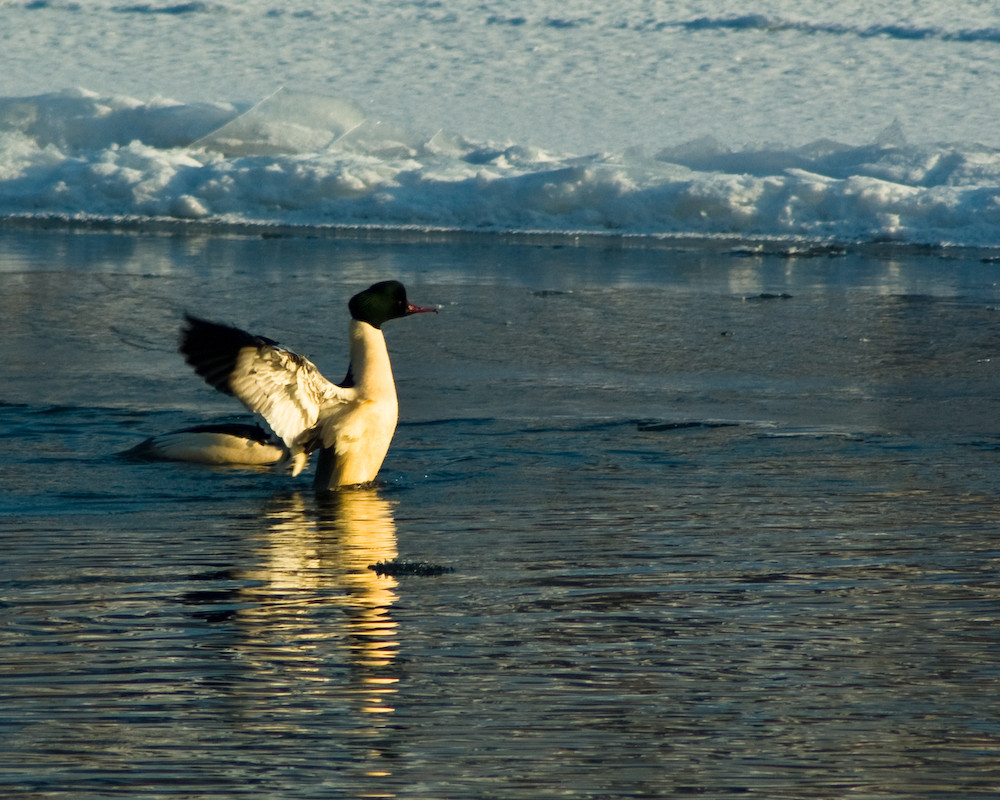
pixel 719 524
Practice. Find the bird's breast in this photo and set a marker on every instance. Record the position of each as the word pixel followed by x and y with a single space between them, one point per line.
pixel 357 440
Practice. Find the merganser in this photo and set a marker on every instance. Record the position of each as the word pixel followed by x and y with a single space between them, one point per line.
pixel 350 423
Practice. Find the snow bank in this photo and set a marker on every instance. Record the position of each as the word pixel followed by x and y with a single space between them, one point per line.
pixel 296 159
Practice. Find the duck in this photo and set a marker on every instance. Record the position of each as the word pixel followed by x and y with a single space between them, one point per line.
pixel 351 423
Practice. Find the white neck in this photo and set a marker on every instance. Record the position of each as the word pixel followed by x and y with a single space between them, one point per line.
pixel 370 365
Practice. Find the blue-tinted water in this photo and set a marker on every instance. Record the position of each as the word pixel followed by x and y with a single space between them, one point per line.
pixel 719 524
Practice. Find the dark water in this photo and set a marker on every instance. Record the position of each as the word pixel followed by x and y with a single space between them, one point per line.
pixel 707 539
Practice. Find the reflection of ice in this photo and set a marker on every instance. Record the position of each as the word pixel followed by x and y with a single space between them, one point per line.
pixel 314 612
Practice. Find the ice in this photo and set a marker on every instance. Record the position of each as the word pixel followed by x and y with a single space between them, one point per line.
pixel 298 159
pixel 77 119
pixel 812 120
pixel 285 122
pixel 582 76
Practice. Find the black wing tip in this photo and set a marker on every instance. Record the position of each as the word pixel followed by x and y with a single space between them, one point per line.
pixel 193 322
pixel 211 349
pixel 199 326
pixel 192 329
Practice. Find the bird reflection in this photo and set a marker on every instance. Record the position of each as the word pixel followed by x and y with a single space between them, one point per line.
pixel 316 558
pixel 314 632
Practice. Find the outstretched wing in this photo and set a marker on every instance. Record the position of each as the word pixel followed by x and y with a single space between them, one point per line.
pixel 282 387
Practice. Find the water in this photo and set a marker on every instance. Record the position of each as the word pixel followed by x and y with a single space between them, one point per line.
pixel 719 524
pixel 717 521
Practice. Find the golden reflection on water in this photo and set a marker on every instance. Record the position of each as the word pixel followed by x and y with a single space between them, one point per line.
pixel 315 621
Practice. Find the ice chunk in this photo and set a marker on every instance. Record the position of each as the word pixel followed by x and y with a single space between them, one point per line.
pixel 285 122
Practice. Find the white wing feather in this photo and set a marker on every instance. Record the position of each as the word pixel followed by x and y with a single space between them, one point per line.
pixel 285 389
